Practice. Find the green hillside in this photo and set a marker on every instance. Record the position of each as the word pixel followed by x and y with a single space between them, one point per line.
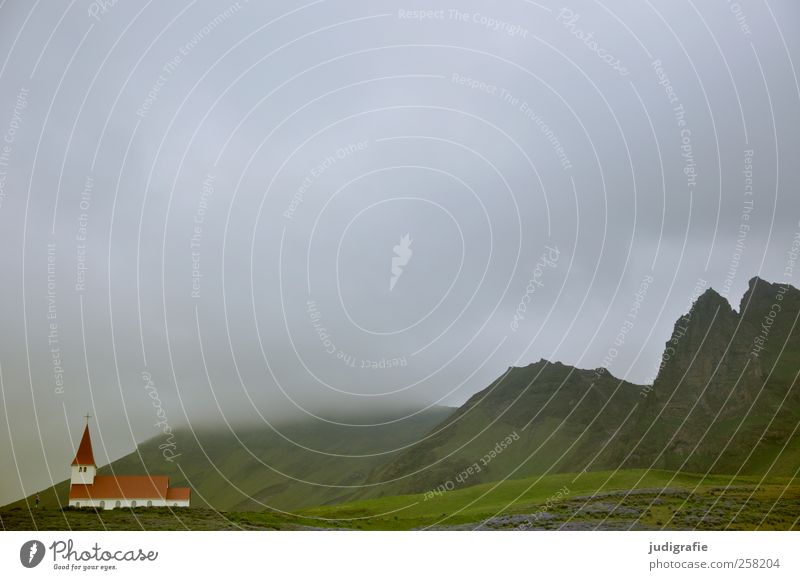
pixel 255 468
pixel 612 500
pixel 543 418
pixel 633 499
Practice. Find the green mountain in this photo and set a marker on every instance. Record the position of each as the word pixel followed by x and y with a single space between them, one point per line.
pixel 725 401
pixel 542 418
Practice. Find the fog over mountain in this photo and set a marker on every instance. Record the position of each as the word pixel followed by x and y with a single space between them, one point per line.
pixel 221 212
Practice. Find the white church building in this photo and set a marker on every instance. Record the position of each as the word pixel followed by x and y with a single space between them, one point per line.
pixel 88 489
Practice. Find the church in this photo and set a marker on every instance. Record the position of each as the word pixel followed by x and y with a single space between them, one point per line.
pixel 87 489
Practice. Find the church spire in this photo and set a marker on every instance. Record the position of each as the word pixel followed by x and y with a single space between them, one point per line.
pixel 85 455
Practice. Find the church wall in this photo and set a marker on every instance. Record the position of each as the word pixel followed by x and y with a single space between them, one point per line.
pixel 83 474
pixel 127 503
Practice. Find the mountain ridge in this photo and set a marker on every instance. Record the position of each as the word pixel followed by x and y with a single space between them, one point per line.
pixel 705 410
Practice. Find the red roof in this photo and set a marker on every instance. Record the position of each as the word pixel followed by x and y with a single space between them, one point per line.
pixel 122 487
pixel 179 493
pixel 84 456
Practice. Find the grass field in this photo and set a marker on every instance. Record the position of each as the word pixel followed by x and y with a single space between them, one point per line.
pixel 632 499
pixel 618 500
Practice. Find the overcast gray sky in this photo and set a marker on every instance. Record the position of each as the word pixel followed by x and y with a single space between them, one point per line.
pixel 203 201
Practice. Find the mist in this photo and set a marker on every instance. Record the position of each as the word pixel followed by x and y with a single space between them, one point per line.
pixel 233 213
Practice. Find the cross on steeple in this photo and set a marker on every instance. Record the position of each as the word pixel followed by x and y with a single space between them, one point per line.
pixel 87 416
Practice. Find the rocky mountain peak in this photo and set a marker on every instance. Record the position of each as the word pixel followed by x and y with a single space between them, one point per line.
pixel 760 292
pixel 711 300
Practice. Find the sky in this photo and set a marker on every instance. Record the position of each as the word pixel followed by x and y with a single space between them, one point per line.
pixel 245 212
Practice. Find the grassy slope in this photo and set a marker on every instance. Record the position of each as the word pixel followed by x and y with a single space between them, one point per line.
pixel 552 408
pixel 212 461
pixel 474 504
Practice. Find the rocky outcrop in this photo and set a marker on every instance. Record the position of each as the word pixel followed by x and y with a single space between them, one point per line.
pixel 724 399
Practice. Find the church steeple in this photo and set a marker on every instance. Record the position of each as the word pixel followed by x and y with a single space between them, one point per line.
pixel 83 466
pixel 85 455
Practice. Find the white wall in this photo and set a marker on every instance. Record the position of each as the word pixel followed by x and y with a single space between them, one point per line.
pixel 85 477
pixel 110 504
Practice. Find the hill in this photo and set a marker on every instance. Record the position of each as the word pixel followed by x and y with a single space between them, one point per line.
pixel 621 500
pixel 543 418
pixel 308 463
